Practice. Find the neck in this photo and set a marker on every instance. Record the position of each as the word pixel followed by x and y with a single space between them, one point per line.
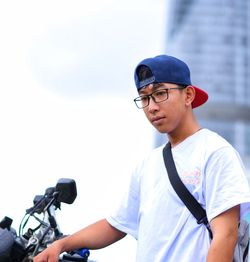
pixel 186 129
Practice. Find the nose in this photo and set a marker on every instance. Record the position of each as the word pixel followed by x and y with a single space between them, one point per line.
pixel 153 106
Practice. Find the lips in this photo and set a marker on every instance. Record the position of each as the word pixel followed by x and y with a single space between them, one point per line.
pixel 157 120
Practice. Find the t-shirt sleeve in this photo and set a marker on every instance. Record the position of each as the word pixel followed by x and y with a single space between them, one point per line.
pixel 226 183
pixel 125 215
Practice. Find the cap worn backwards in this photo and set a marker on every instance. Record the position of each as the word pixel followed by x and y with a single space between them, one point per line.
pixel 168 69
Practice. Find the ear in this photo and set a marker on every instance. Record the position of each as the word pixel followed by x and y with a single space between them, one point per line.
pixel 190 95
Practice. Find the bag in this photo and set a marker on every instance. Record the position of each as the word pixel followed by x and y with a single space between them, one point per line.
pixel 6 243
pixel 242 246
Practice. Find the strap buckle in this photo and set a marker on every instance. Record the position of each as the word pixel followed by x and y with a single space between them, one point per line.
pixel 203 220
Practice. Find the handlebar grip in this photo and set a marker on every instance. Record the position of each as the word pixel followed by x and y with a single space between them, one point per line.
pixel 80 255
pixel 83 252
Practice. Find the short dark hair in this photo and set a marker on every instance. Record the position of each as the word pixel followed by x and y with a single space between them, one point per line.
pixel 182 86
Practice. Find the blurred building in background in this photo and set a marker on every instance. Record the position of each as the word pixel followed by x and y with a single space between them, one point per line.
pixel 213 38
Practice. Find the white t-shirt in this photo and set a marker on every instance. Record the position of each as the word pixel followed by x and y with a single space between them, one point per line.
pixel 152 212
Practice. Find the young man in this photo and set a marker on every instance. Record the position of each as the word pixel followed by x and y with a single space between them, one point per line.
pixel 151 211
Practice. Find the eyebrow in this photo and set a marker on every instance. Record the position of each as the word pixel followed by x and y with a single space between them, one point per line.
pixel 155 86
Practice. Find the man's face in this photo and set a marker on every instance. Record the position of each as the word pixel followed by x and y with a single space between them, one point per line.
pixel 167 115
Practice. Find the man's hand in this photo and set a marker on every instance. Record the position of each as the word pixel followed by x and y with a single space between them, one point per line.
pixel 51 254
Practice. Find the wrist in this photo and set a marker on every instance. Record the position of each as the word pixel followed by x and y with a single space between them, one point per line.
pixel 59 245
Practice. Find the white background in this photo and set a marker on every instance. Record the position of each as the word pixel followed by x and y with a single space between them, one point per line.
pixel 66 104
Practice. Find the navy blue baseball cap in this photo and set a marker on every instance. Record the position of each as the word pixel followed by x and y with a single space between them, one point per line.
pixel 168 69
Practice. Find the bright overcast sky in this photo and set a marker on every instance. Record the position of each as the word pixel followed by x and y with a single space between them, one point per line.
pixel 66 91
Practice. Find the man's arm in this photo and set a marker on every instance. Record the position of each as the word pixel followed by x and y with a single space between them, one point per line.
pixel 95 236
pixel 225 233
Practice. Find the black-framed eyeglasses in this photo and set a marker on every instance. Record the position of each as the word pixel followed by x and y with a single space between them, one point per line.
pixel 157 96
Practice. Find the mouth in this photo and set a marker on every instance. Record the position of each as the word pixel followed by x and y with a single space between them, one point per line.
pixel 157 120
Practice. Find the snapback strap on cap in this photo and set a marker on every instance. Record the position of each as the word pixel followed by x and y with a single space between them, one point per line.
pixel 147 81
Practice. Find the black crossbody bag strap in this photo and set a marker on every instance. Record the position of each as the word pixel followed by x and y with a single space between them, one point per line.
pixel 187 198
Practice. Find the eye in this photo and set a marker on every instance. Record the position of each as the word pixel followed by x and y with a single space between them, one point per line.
pixel 160 93
pixel 144 98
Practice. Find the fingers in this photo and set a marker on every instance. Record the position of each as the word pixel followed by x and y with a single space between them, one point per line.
pixel 44 257
pixel 50 254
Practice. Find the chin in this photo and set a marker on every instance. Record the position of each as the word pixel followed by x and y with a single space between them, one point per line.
pixel 161 130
